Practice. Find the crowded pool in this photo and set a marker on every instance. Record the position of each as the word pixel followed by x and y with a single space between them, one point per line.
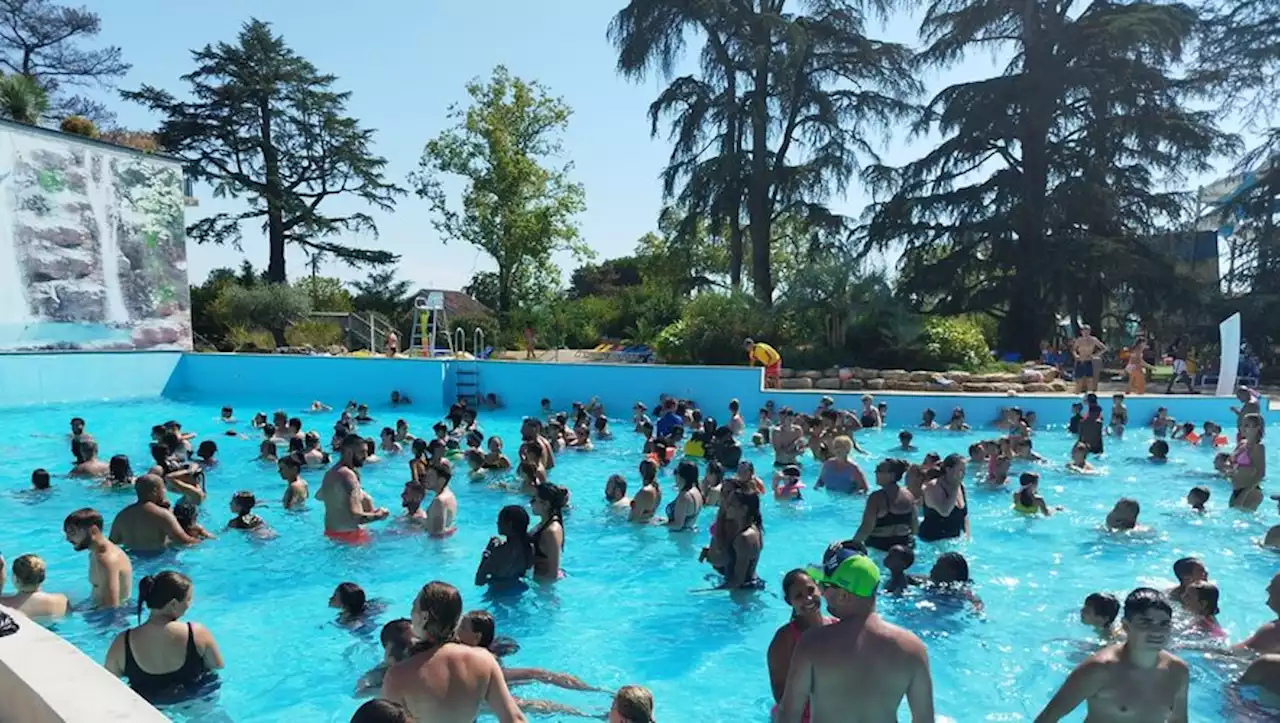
pixel 635 605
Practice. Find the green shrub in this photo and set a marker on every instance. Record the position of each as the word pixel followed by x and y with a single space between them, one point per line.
pixel 950 342
pixel 711 330
pixel 80 126
pixel 314 333
pixel 240 338
pixel 273 307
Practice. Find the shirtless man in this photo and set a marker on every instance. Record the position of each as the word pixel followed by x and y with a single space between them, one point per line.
pixel 787 439
pixel 1087 351
pixel 1136 681
pixel 443 510
pixel 148 525
pixel 444 681
pixel 296 491
pixel 110 571
pixel 531 431
pixel 411 498
pixel 344 511
pixel 30 600
pixel 1266 639
pixel 859 669
pixel 89 465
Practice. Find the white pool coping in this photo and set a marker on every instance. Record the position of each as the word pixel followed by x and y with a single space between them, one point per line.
pixel 45 679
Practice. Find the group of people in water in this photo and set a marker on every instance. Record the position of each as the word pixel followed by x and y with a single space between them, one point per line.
pixel 441 665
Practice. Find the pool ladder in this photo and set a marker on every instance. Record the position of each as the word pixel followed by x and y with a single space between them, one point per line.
pixel 466 374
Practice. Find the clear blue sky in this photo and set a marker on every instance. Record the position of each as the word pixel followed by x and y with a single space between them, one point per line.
pixel 405 63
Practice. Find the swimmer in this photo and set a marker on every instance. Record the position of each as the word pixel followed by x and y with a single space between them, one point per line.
pixel 615 493
pixel 1119 416
pixel 227 416
pixel 1077 416
pixel 682 513
pixel 929 419
pixel 371 451
pixel 443 510
pixel 1248 466
pixel 205 452
pixel 475 464
pixel 1124 516
pixel 260 419
pixel 89 464
pixel 712 483
pixel 397 398
pixel 802 594
pixel 242 504
pixel 30 600
pixel 397 643
pixel 736 423
pixel 904 441
pixel 549 501
pixel 344 515
pixel 110 571
pixel 1162 423
pixel 897 561
pixel 495 459
pixel 186 514
pixel 362 414
pixel 1135 681
pixel 1264 672
pixel 787 484
pixel 478 630
pixel 350 601
pixel 1027 499
pixel 1099 612
pixel 1266 639
pixel 1080 459
pixel 950 575
pixel 787 439
pixel 1198 497
pixel 632 704
pixel 296 490
pixel 148 525
pixel 602 428
pixel 40 479
pixel 648 499
pixel 389 443
pixel 957 423
pixel 1188 571
pixel 1201 600
pixel 268 452
pixel 859 663
pixel 1158 451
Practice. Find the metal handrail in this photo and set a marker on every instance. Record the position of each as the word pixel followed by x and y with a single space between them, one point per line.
pixel 477 341
pixel 459 341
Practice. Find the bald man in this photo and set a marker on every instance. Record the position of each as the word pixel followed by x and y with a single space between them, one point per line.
pixel 148 525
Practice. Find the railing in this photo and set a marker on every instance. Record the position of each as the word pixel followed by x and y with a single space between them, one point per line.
pixel 477 342
pixel 459 341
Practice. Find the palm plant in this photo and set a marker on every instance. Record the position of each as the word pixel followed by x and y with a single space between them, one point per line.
pixel 22 99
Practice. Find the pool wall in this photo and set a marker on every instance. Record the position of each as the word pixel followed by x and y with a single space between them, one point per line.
pixel 44 679
pixel 31 379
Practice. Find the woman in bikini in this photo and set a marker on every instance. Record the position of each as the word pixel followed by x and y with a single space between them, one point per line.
pixel 890 515
pixel 549 501
pixel 1248 465
pixel 802 594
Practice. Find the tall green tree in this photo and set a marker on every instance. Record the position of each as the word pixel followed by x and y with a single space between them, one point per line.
pixel 265 125
pixel 781 115
pixel 44 41
pixel 517 205
pixel 22 99
pixel 1050 173
pixel 384 293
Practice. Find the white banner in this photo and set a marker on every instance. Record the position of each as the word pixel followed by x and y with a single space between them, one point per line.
pixel 1229 332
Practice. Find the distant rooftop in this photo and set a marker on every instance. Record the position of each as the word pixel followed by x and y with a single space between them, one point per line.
pixel 457 303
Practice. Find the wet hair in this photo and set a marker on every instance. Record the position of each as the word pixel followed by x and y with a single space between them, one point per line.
pixel 156 591
pixel 29 570
pixel 905 436
pixel 380 710
pixel 956 562
pixel 268 430
pixel 896 467
pixel 208 448
pixel 474 438
pixel 441 605
pixel 352 440
pixel 1183 566
pixel 634 704
pixel 529 470
pixel 790 579
pixel 531 452
pixel 387 432
pixel 159 453
pixel 687 474
pixel 40 478
pixel 83 519
pixel 419 447
pixel 186 514
pixel 556 498
pixel 649 469
pixel 1200 492
pixel 397 638
pixel 295 423
pixel 513 521
pixel 482 622
pixel 370 447
pixel 1026 497
pixel 88 449
pixel 1143 599
pixel 1104 604
pixel 351 597
pixel 751 501
pixel 1206 593
pixel 908 555
pixel 1160 448
pixel 953 461
pixel 297 445
pixel 1253 419
pixel 243 501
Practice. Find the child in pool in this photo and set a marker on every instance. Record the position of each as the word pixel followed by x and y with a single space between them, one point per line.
pixel 353 605
pixel 787 484
pixel 397 644
pixel 242 504
pixel 1198 497
pixel 898 560
pixel 1201 600
pixel 1159 451
pixel 1099 612
pixel 186 513
pixel 904 441
pixel 205 452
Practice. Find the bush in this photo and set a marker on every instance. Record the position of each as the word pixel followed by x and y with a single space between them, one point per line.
pixel 273 307
pixel 955 341
pixel 711 330
pixel 241 339
pixel 315 333
pixel 80 126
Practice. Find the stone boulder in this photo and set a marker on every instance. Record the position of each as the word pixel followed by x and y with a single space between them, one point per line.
pixel 796 383
pixel 909 386
pixel 895 374
pixel 921 376
pixel 827 383
pixel 1005 387
pixel 875 384
pixel 865 374
pixel 785 373
pixel 1059 385
pixel 159 332
pixel 810 374
pixel 853 385
pixel 977 387
pixel 959 377
pixel 1038 388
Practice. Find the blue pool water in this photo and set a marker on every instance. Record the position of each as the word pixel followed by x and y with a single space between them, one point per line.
pixel 630 609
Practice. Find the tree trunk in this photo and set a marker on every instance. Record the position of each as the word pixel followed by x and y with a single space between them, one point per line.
pixel 759 208
pixel 274 198
pixel 729 206
pixel 278 336
pixel 504 294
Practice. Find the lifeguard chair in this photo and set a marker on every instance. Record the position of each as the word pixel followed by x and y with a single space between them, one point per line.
pixel 430 325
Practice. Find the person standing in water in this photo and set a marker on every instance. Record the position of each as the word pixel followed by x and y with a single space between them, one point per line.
pixel 446 681
pixel 344 512
pixel 110 571
pixel 1136 681
pixel 443 509
pixel 30 600
pixel 802 594
pixel 858 669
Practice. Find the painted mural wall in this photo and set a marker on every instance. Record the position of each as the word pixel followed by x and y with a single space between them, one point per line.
pixel 92 246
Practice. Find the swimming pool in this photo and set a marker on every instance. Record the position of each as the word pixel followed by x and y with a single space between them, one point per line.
pixel 630 609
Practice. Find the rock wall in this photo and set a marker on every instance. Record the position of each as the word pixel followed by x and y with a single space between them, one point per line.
pixel 1034 379
pixel 96 239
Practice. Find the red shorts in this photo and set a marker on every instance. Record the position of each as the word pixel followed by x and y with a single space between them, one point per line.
pixel 773 370
pixel 803 719
pixel 351 537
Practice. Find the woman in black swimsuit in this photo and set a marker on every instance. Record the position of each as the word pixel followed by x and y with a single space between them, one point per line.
pixel 185 652
pixel 548 537
pixel 946 507
pixel 890 515
pixel 507 558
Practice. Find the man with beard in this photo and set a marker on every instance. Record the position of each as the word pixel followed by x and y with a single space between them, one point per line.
pixel 531 431
pixel 344 507
pixel 411 498
pixel 110 572
pixel 859 669
pixel 148 525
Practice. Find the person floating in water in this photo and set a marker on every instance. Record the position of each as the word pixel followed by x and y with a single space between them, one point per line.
pixel 1136 680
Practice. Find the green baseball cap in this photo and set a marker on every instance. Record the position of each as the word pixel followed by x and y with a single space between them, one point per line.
pixel 849 570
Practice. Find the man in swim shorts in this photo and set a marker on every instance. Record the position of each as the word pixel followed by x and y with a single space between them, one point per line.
pixel 344 510
pixel 859 669
pixel 1087 351
pixel 1136 681
pixel 768 357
